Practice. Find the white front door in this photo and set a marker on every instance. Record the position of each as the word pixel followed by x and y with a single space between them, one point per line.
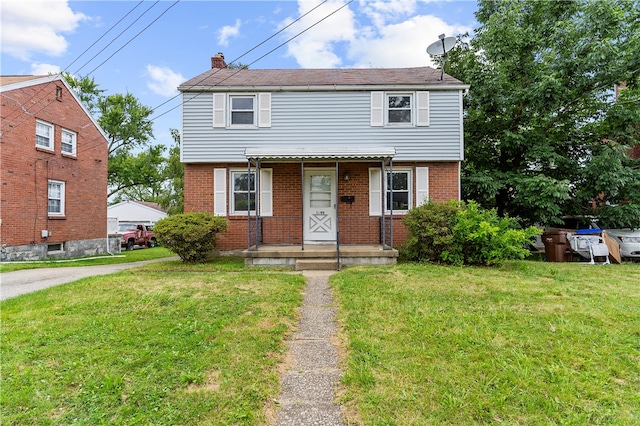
pixel 320 205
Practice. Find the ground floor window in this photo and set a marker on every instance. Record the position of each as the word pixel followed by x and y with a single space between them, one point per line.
pixel 243 192
pixel 399 191
pixel 55 203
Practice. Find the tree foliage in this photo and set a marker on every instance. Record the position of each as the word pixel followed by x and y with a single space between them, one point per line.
pixel 544 134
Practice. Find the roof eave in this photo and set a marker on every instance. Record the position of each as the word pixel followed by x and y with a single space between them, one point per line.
pixel 325 88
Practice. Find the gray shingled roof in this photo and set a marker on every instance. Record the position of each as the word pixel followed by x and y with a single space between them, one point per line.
pixel 317 77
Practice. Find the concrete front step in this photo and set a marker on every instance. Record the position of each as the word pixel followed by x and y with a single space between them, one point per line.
pixel 316 264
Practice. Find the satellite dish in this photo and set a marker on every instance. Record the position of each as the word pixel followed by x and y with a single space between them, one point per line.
pixel 440 48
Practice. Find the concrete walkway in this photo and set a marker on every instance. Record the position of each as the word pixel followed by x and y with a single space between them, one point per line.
pixel 309 387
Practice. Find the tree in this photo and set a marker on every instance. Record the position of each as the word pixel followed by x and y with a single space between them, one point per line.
pixel 133 162
pixel 544 133
pixel 172 195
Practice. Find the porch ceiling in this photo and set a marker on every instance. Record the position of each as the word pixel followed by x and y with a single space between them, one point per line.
pixel 320 153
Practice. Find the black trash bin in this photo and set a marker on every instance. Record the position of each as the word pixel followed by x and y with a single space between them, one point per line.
pixel 556 246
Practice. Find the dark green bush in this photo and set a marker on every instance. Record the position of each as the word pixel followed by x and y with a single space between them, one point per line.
pixel 461 233
pixel 192 236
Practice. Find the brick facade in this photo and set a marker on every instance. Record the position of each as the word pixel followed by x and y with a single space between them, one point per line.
pixel 355 224
pixel 26 169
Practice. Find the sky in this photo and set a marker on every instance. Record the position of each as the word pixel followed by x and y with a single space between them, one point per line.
pixel 148 48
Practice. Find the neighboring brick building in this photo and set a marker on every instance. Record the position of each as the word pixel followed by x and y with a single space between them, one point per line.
pixel 314 156
pixel 53 161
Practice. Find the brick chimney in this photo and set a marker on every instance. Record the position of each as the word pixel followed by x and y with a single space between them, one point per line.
pixel 218 61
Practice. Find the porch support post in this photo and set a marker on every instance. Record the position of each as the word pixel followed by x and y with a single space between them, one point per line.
pixel 257 197
pixel 302 201
pixel 337 218
pixel 384 204
pixel 391 209
pixel 248 204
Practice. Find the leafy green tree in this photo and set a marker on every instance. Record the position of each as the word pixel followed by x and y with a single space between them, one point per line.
pixel 135 165
pixel 171 196
pixel 544 134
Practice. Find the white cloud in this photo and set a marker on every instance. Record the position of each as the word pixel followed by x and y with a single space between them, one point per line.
pixel 227 32
pixel 315 47
pixel 36 27
pixel 44 69
pixel 392 35
pixel 164 81
pixel 403 44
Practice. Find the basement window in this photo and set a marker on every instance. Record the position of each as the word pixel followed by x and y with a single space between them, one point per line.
pixel 55 248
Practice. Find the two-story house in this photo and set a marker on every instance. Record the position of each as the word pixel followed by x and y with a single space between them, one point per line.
pixel 53 168
pixel 316 158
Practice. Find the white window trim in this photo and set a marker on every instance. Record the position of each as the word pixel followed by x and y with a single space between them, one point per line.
pixel 254 110
pixel 265 190
pixel 420 109
pixel 74 142
pixel 410 179
pixel 51 145
pixel 62 197
pixel 232 207
pixel 412 109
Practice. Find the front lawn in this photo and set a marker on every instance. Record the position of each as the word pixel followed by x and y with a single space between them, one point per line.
pixel 528 344
pixel 164 344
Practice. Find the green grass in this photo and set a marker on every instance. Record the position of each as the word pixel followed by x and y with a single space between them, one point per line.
pixel 163 344
pixel 528 344
pixel 124 257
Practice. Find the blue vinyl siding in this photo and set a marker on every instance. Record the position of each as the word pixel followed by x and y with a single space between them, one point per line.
pixel 322 119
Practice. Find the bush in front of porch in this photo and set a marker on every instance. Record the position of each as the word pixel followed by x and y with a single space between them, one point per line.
pixel 192 236
pixel 460 233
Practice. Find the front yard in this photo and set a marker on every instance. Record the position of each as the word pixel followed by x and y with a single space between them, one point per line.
pixel 529 343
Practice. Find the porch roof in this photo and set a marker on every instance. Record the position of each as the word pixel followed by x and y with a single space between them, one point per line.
pixel 320 153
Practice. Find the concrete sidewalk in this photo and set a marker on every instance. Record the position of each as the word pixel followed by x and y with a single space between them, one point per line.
pixel 309 387
pixel 15 283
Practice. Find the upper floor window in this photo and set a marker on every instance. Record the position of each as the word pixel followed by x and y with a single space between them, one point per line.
pixel 399 108
pixel 242 110
pixel 243 192
pixel 44 134
pixel 68 142
pixel 55 203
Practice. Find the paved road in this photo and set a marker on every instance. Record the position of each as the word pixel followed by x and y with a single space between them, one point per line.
pixel 15 283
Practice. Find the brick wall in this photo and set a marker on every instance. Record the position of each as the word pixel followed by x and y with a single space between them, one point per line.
pixel 25 169
pixel 285 227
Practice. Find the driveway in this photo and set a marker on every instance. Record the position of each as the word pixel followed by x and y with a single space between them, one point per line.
pixel 15 283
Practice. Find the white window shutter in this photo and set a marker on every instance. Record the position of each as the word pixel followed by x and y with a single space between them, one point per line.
pixel 423 108
pixel 422 185
pixel 264 110
pixel 266 192
pixel 219 100
pixel 377 109
pixel 220 192
pixel 375 192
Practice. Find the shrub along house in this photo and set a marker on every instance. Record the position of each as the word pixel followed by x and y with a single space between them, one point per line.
pixel 319 162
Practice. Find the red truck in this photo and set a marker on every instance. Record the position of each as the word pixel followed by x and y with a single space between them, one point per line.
pixel 137 235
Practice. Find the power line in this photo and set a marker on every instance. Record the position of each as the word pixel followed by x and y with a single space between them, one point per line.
pixel 79 56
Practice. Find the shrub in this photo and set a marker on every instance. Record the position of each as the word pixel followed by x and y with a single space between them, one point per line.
pixel 192 236
pixel 464 234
